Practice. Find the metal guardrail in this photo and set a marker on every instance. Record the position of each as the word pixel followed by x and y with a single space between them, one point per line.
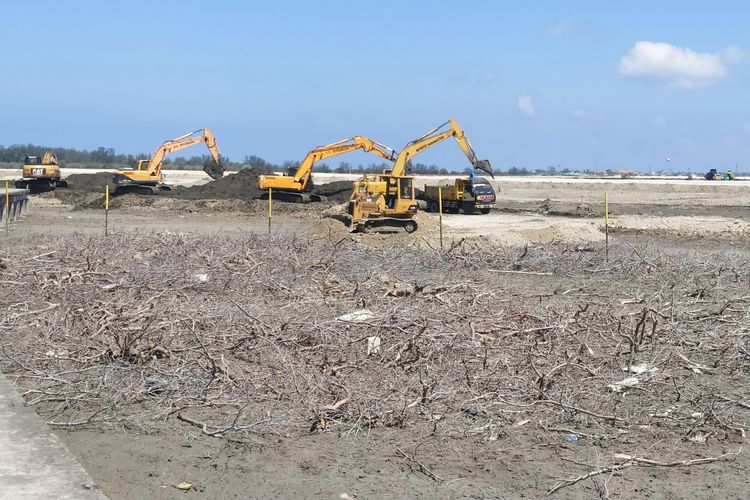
pixel 18 200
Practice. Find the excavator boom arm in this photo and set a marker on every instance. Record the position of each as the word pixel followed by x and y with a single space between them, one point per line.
pixel 182 142
pixel 433 137
pixel 304 171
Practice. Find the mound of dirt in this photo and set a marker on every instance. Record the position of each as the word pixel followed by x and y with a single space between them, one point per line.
pixel 92 183
pixel 336 191
pixel 242 186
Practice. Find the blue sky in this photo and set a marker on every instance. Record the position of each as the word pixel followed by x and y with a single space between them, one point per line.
pixel 533 84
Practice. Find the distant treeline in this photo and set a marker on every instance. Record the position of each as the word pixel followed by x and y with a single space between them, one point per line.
pixel 97 157
pixel 107 157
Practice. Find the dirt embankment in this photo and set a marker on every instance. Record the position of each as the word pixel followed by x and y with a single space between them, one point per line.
pixel 87 191
pixel 240 186
pixel 337 191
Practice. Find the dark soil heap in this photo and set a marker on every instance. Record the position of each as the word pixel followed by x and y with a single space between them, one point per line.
pixel 337 191
pixel 93 183
pixel 241 186
pixel 244 186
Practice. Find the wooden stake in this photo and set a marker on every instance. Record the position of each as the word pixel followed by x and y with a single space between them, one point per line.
pixel 270 209
pixel 606 226
pixel 7 207
pixel 106 209
pixel 440 212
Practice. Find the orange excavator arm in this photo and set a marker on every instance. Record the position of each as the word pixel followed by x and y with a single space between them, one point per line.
pixel 433 137
pixel 153 166
pixel 300 179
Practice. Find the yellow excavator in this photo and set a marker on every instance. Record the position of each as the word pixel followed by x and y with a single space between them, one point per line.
pixel 41 174
pixel 387 199
pixel 147 178
pixel 296 184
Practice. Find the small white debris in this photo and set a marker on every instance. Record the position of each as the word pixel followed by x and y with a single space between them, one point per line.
pixel 56 354
pixel 698 437
pixel 622 384
pixel 521 423
pixel 373 345
pixel 359 316
pixel 200 277
pixel 639 368
pixel 184 486
pixel 109 287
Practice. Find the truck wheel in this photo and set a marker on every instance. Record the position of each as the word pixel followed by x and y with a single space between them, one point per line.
pixel 468 208
pixel 485 211
pixel 432 206
pixel 410 226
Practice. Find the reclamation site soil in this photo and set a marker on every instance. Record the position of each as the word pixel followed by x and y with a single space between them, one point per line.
pixel 232 362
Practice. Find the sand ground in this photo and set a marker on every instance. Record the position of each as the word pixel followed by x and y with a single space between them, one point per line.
pixel 667 213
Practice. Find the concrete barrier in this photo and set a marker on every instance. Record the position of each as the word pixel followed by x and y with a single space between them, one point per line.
pixel 18 201
pixel 34 463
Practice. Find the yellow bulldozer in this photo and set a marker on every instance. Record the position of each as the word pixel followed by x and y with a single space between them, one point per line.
pixel 387 200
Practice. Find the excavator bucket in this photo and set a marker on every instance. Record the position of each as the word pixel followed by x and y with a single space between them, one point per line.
pixel 484 165
pixel 214 169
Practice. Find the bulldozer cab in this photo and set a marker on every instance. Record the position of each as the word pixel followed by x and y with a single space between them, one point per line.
pixel 406 190
pixel 32 160
pixel 399 188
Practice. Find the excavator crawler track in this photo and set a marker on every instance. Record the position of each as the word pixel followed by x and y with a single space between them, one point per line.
pixel 39 185
pixel 140 189
pixel 392 223
pixel 292 197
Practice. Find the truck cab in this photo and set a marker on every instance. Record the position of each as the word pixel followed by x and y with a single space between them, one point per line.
pixel 467 195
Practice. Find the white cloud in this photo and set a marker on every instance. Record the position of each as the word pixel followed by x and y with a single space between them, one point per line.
pixel 735 55
pixel 578 113
pixel 677 66
pixel 560 28
pixel 525 105
pixel 659 121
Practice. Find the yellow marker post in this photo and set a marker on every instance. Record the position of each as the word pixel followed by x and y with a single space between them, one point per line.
pixel 440 212
pixel 270 209
pixel 7 206
pixel 606 226
pixel 106 209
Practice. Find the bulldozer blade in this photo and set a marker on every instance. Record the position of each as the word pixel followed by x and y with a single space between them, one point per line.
pixel 214 169
pixel 484 165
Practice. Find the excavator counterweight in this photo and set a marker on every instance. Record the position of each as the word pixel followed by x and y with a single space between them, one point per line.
pixel 41 174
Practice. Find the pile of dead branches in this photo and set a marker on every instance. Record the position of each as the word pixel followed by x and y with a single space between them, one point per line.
pixel 262 337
